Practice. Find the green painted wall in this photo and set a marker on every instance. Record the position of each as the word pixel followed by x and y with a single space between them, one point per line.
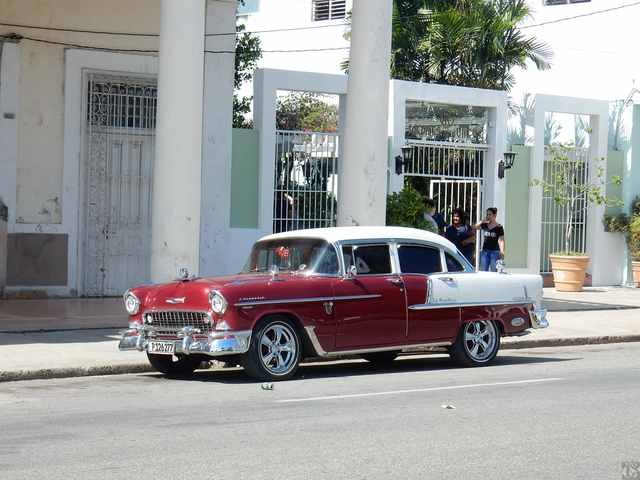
pixel 517 208
pixel 615 166
pixel 244 179
pixel 517 201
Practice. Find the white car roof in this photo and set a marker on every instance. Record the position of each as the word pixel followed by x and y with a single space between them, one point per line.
pixel 337 234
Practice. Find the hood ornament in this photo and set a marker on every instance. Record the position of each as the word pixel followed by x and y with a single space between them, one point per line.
pixel 184 274
pixel 176 300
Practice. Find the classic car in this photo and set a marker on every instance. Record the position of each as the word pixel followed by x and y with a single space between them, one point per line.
pixel 368 291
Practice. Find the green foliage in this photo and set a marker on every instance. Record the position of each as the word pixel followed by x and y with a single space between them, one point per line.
pixel 472 43
pixel 406 209
pixel 568 191
pixel 248 52
pixel 633 238
pixel 616 223
pixel 635 206
pixel 306 112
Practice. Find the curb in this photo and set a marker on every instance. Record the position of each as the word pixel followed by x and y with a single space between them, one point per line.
pixel 570 341
pixel 51 373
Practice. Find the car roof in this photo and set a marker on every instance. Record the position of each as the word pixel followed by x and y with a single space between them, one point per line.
pixel 343 234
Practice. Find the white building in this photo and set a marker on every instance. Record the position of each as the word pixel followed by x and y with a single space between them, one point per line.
pixel 97 201
pixel 317 27
pixel 79 157
pixel 593 43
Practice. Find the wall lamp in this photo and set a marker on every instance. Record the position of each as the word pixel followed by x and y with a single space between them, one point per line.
pixel 507 163
pixel 404 160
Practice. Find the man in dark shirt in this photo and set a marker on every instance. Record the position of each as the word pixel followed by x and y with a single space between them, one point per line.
pixel 460 233
pixel 493 241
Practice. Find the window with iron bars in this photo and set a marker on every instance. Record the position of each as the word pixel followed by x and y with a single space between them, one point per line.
pixel 563 2
pixel 328 10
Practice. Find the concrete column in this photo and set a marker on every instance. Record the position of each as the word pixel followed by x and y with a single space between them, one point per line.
pixel 362 181
pixel 217 128
pixel 175 230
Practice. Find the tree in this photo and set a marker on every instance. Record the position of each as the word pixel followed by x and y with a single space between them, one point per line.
pixel 248 52
pixel 306 112
pixel 573 195
pixel 471 43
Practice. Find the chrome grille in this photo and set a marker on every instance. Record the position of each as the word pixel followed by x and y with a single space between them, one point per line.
pixel 170 322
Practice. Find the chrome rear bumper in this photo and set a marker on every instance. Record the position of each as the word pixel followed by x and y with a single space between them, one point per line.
pixel 215 344
pixel 538 318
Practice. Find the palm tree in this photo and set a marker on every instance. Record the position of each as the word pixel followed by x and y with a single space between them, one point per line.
pixel 473 43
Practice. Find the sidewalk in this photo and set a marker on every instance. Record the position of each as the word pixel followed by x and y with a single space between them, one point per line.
pixel 75 337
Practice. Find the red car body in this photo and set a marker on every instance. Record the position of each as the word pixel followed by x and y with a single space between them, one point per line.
pixel 340 312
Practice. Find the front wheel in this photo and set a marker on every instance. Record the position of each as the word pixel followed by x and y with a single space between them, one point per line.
pixel 170 365
pixel 275 351
pixel 477 343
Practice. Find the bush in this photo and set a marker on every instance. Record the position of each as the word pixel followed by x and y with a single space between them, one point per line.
pixel 616 223
pixel 633 238
pixel 635 206
pixel 406 209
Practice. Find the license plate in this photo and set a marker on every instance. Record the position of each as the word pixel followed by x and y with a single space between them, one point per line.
pixel 162 348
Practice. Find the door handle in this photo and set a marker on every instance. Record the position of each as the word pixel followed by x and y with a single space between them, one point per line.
pixel 395 281
pixel 448 279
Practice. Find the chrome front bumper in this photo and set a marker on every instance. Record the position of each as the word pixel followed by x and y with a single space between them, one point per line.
pixel 215 344
pixel 538 318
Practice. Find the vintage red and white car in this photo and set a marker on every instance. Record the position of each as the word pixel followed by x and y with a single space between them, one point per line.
pixel 368 291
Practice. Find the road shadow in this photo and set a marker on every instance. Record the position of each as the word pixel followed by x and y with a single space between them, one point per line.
pixel 349 368
pixel 558 305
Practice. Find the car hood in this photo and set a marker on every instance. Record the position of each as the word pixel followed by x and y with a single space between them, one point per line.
pixel 194 294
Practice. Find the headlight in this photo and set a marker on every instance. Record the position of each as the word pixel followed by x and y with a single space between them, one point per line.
pixel 218 302
pixel 131 303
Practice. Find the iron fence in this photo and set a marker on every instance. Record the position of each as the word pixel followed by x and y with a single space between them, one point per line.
pixel 306 180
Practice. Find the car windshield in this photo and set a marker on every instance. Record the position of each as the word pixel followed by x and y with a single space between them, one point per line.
pixel 293 254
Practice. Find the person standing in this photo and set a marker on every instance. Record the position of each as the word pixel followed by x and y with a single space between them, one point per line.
pixel 429 213
pixel 493 241
pixel 461 234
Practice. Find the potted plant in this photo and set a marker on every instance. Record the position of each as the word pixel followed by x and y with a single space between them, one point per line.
pixel 565 185
pixel 633 244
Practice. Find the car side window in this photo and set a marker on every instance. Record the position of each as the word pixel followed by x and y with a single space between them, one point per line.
pixel 417 259
pixel 453 265
pixel 327 263
pixel 368 259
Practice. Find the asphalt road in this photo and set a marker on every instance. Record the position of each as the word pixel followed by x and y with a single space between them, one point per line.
pixel 565 413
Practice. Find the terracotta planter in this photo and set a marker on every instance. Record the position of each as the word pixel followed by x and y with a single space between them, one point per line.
pixel 636 273
pixel 569 272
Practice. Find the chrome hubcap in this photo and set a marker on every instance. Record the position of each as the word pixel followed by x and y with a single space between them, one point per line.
pixel 480 339
pixel 278 349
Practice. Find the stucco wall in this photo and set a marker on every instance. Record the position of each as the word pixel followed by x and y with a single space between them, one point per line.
pixel 40 113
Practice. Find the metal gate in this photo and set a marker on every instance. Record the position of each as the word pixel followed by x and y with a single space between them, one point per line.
pixel 118 156
pixel 554 216
pixel 306 180
pixel 451 194
pixel 452 174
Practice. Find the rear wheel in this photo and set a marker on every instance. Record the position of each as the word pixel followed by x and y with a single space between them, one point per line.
pixel 380 358
pixel 170 365
pixel 275 350
pixel 477 343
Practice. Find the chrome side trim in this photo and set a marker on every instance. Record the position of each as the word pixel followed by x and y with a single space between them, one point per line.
pixel 311 333
pixel 430 306
pixel 320 352
pixel 306 300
